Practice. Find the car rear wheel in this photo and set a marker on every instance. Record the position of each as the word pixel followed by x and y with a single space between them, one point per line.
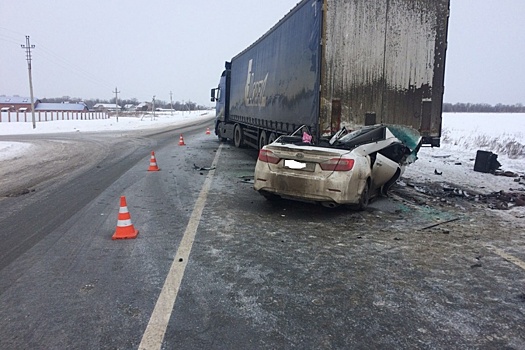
pixel 365 196
pixel 364 199
pixel 238 136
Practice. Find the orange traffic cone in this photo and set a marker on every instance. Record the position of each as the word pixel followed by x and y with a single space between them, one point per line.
pixel 181 141
pixel 124 227
pixel 153 163
pixel 208 131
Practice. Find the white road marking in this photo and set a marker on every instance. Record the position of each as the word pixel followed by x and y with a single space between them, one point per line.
pixel 508 257
pixel 154 333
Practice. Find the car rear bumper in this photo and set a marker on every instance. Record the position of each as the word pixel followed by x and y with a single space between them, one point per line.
pixel 339 187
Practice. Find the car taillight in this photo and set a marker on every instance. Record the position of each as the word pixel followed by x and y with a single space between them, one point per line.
pixel 268 157
pixel 338 164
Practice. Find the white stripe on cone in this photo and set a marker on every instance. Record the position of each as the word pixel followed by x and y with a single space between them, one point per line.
pixel 124 223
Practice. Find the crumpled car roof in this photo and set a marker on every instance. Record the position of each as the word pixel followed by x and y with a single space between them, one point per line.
pixel 407 139
pixel 368 134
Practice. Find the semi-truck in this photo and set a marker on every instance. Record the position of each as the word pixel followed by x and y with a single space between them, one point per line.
pixel 330 64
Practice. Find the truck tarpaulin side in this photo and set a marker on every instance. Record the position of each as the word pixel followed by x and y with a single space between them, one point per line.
pixel 276 80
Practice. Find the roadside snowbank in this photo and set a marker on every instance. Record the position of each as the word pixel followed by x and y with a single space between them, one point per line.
pixel 10 150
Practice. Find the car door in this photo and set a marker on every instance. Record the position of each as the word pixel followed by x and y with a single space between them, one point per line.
pixel 383 168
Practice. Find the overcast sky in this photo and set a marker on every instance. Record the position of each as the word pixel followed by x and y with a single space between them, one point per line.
pixel 87 48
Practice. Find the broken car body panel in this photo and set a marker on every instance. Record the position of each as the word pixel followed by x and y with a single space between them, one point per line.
pixel 337 171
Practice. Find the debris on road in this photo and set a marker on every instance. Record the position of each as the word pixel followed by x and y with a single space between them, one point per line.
pixel 445 193
pixel 504 198
pixel 506 173
pixel 247 179
pixel 439 223
pixel 203 168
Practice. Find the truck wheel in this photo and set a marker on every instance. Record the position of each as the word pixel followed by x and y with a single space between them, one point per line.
pixel 272 137
pixel 263 139
pixel 221 138
pixel 238 136
pixel 219 132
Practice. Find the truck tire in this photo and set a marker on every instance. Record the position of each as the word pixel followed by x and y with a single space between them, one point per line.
pixel 238 136
pixel 272 137
pixel 263 139
pixel 218 132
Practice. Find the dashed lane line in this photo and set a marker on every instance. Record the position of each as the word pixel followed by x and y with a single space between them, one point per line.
pixel 156 329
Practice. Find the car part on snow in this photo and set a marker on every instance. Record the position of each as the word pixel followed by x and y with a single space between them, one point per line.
pixel 486 162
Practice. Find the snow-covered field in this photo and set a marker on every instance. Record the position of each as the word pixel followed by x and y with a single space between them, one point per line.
pixel 9 150
pixel 125 122
pixel 463 135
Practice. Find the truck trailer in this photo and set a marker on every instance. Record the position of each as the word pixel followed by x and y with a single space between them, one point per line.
pixel 330 64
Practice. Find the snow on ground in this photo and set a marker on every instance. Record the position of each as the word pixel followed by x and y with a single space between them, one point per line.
pixel 10 150
pixel 462 136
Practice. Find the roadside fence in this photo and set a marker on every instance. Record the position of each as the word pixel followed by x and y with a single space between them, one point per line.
pixel 46 116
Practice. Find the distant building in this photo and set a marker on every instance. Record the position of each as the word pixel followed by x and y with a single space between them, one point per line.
pixel 16 103
pixel 61 107
pixel 106 107
pixel 144 106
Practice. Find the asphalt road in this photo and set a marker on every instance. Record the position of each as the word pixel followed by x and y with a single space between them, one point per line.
pixel 216 266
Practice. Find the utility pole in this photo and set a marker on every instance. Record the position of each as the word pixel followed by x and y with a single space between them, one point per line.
pixel 116 101
pixel 28 48
pixel 153 106
pixel 171 102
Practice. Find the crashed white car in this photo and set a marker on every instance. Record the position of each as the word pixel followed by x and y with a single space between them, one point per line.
pixel 348 169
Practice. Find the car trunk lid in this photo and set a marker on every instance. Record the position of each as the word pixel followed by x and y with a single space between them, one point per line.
pixel 303 158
